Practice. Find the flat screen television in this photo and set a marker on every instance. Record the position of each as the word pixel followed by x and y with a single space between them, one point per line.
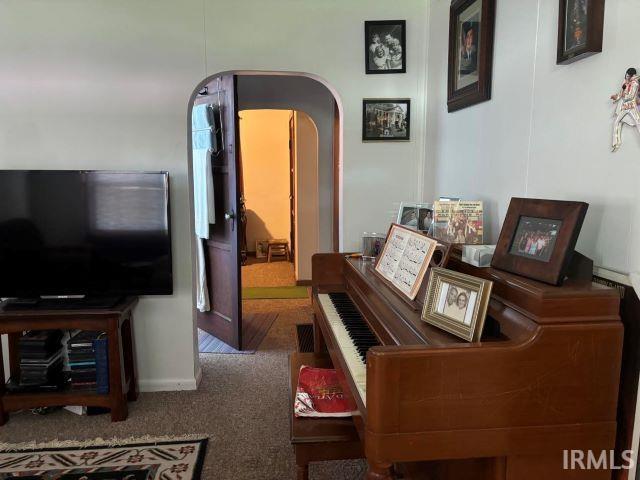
pixel 84 233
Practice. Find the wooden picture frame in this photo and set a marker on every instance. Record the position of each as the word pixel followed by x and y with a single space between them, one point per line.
pixel 261 248
pixel 580 29
pixel 385 119
pixel 538 238
pixel 389 53
pixel 398 256
pixel 471 27
pixel 457 303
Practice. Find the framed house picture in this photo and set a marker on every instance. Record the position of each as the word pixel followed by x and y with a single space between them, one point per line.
pixel 386 119
pixel 457 303
pixel 580 27
pixel 471 24
pixel 538 238
pixel 385 49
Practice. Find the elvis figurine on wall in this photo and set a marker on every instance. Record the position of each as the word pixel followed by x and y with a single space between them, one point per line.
pixel 628 106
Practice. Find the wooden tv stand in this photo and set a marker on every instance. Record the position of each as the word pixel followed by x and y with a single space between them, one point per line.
pixel 116 322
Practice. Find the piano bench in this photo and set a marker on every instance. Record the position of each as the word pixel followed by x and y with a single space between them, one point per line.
pixel 319 439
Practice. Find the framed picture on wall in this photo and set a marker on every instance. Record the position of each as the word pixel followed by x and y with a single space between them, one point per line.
pixel 385 46
pixel 538 238
pixel 386 119
pixel 471 25
pixel 580 27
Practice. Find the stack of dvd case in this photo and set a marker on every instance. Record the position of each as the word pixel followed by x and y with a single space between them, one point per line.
pixel 88 362
pixel 41 360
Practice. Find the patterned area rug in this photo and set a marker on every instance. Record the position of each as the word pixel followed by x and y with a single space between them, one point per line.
pixel 165 460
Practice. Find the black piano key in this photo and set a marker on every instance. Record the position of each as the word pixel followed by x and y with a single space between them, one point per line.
pixel 355 324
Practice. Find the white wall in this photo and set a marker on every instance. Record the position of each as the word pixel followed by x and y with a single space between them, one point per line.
pixel 104 84
pixel 327 38
pixel 546 132
pixel 306 195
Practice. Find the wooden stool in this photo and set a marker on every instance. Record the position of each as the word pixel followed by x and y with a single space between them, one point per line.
pixel 319 439
pixel 279 248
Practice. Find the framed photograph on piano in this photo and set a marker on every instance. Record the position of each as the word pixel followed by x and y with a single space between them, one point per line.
pixel 538 238
pixel 405 259
pixel 457 303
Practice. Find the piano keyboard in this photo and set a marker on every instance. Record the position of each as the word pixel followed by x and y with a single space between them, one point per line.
pixel 353 335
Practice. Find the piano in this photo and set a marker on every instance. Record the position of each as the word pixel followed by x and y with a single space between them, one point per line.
pixel 543 380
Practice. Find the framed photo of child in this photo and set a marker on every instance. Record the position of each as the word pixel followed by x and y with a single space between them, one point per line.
pixel 471 24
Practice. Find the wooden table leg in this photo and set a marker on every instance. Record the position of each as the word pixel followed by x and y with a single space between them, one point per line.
pixel 4 417
pixel 118 400
pixel 14 353
pixel 379 471
pixel 129 353
pixel 302 472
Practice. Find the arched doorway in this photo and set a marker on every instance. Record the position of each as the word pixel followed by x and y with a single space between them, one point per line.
pixel 216 256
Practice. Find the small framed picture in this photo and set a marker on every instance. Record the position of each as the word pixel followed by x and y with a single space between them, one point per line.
pixel 261 248
pixel 471 25
pixel 418 216
pixel 580 27
pixel 386 119
pixel 385 46
pixel 457 303
pixel 538 238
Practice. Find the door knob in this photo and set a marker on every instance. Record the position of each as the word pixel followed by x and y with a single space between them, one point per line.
pixel 231 216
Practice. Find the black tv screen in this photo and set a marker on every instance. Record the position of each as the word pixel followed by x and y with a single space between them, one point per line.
pixel 92 233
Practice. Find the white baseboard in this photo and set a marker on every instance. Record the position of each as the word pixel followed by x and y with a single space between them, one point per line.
pixel 168 384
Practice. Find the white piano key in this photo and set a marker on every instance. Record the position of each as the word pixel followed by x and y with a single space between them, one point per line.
pixel 357 368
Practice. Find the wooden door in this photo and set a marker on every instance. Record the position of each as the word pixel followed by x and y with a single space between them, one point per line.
pixel 222 250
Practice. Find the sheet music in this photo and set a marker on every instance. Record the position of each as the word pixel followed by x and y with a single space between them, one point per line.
pixel 404 259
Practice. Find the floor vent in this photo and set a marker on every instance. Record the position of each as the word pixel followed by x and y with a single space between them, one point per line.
pixel 304 332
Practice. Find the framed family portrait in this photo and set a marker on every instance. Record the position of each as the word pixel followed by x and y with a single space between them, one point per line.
pixel 471 24
pixel 538 238
pixel 580 27
pixel 385 46
pixel 418 216
pixel 457 303
pixel 386 119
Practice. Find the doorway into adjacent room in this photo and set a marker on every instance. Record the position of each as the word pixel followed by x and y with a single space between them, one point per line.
pixel 265 168
pixel 279 228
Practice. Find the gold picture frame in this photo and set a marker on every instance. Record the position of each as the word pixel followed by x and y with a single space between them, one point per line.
pixel 457 303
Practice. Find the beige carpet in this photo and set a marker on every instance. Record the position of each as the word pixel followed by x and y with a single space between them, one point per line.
pixel 259 273
pixel 241 404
